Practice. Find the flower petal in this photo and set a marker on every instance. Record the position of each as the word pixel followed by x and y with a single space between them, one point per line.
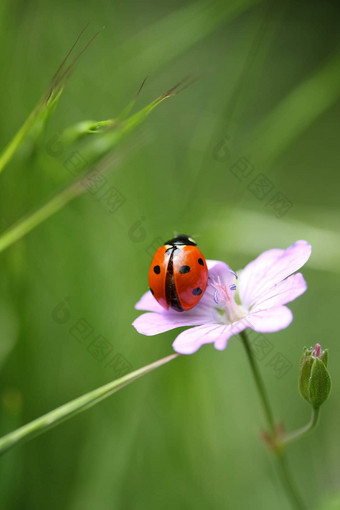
pixel 191 340
pixel 218 269
pixel 153 323
pixel 269 321
pixel 148 302
pixel 269 269
pixel 282 293
pixel 218 272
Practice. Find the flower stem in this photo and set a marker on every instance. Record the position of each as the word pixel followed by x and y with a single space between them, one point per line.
pixel 259 384
pixel 288 483
pixel 296 434
pixel 274 441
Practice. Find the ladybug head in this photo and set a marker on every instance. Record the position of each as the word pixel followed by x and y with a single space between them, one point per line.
pixel 182 239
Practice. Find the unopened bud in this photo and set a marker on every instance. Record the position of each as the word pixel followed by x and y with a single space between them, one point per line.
pixel 314 382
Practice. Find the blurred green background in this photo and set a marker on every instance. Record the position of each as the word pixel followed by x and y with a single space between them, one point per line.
pixel 265 106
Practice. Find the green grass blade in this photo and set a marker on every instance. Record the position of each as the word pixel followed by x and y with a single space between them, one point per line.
pixel 76 406
pixel 295 113
pixel 11 148
pixel 29 222
pixel 101 137
pixel 92 154
pixel 36 121
pixel 191 23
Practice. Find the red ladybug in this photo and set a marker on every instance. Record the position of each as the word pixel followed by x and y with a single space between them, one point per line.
pixel 178 275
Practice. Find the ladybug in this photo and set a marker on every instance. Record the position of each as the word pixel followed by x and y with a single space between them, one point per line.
pixel 178 275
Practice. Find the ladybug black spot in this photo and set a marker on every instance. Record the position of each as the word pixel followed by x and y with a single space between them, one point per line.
pixel 197 291
pixel 157 269
pixel 184 269
pixel 152 292
pixel 200 261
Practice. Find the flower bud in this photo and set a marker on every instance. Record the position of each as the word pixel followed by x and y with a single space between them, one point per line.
pixel 314 381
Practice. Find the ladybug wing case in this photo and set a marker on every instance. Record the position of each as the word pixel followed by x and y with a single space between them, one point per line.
pixel 191 276
pixel 157 275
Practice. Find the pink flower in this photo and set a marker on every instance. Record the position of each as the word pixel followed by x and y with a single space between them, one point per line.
pixel 255 299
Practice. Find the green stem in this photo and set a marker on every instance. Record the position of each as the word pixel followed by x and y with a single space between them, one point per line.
pixel 288 438
pixel 78 405
pixel 288 483
pixel 273 432
pixel 259 384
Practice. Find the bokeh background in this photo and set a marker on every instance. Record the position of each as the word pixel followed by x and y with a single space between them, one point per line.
pixel 246 159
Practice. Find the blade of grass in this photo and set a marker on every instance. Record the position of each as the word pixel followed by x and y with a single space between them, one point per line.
pixel 105 135
pixel 191 23
pixel 28 223
pixel 238 100
pixel 295 113
pixel 74 407
pixel 92 154
pixel 45 106
pixel 130 106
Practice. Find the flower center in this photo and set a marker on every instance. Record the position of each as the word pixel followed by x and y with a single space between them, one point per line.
pixel 224 297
